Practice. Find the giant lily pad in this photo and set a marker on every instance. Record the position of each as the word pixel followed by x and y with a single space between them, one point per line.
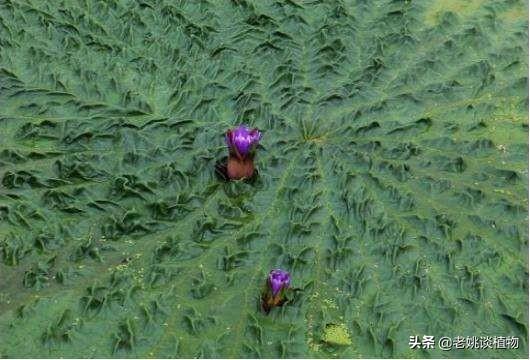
pixel 392 176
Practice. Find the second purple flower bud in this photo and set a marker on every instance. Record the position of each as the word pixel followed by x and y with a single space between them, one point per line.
pixel 278 281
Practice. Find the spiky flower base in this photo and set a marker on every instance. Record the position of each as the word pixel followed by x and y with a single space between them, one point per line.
pixel 268 301
pixel 238 169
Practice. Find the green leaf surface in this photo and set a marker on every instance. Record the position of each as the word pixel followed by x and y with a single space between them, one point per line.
pixel 392 176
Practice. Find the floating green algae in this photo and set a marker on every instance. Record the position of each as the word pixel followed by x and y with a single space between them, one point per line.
pixel 392 176
pixel 336 335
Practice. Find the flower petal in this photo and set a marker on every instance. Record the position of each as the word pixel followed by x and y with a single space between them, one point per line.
pixel 242 139
pixel 278 280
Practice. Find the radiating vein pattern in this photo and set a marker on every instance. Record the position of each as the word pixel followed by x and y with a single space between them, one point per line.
pixel 392 176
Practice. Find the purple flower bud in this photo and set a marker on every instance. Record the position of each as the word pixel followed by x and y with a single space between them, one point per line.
pixel 278 280
pixel 242 140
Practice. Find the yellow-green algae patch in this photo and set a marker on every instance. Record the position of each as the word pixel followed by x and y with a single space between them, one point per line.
pixel 336 335
pixel 459 7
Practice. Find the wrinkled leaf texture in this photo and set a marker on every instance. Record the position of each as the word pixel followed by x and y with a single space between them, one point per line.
pixel 392 176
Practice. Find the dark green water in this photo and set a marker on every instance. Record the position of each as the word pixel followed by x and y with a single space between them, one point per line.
pixel 392 177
